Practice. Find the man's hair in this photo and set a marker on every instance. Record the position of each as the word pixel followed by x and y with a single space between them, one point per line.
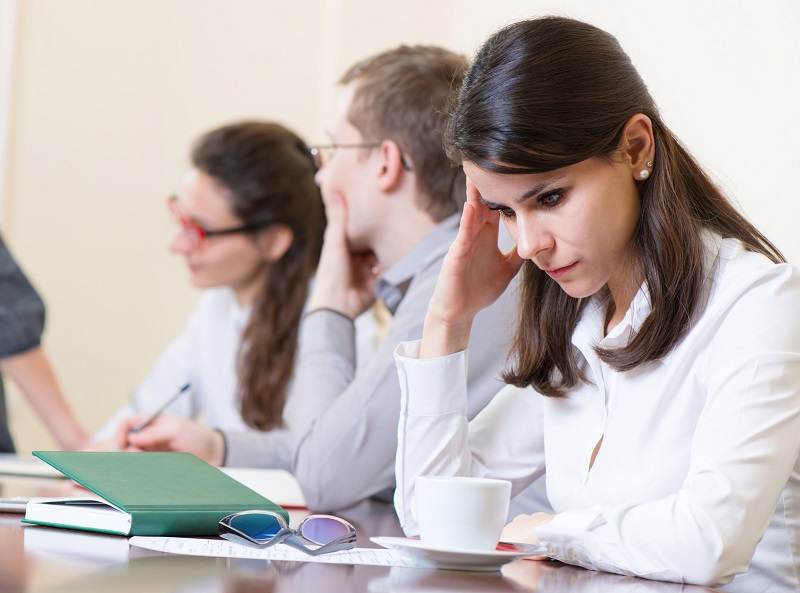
pixel 402 95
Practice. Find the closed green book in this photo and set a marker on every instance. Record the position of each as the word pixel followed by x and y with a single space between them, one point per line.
pixel 147 494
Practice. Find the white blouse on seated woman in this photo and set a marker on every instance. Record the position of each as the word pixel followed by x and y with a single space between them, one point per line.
pixel 205 356
pixel 691 474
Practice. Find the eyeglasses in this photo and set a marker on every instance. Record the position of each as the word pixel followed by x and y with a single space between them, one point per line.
pixel 323 154
pixel 198 234
pixel 262 529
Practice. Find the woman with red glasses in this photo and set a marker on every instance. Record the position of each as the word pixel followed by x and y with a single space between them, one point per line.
pixel 250 224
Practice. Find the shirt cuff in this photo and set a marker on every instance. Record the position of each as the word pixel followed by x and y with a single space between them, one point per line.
pixel 563 536
pixel 445 376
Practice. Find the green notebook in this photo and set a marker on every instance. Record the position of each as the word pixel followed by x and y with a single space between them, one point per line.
pixel 146 494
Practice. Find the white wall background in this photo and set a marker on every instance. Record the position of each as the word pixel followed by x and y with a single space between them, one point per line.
pixel 8 29
pixel 107 96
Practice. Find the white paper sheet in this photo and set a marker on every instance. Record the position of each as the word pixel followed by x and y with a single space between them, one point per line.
pixel 225 549
pixel 27 465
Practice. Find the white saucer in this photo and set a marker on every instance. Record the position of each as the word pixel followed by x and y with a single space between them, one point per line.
pixel 455 559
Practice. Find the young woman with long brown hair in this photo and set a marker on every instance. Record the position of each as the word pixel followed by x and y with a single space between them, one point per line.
pixel 656 368
pixel 250 221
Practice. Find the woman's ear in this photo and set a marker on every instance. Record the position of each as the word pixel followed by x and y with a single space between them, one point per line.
pixel 392 165
pixel 638 146
pixel 275 241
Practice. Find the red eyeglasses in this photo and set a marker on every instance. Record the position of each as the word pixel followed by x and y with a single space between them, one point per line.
pixel 199 234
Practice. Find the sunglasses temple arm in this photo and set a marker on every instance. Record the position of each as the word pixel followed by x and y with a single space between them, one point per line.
pixel 347 542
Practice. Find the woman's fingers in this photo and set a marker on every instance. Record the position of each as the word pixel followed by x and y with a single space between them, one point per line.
pixel 473 194
pixel 523 528
pixel 513 260
pixel 466 228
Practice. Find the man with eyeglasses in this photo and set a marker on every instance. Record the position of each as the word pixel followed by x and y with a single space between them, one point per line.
pixel 393 201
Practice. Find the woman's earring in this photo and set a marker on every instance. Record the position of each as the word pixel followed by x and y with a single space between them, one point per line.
pixel 645 173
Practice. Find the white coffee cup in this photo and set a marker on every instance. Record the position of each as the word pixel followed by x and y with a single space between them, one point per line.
pixel 464 514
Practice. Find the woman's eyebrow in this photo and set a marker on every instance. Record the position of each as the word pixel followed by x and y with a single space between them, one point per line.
pixel 537 189
pixel 489 204
pixel 534 191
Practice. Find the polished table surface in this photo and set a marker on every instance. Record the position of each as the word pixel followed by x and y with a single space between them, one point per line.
pixel 45 559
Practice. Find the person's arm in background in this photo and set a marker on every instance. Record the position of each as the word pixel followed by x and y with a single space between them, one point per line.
pixel 22 316
pixel 33 374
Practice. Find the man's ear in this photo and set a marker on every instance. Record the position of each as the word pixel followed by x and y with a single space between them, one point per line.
pixel 275 241
pixel 392 165
pixel 638 146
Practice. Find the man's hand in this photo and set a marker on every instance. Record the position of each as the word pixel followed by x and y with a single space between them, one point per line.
pixel 344 281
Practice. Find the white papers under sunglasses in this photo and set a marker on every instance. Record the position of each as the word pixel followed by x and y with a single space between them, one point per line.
pixel 262 529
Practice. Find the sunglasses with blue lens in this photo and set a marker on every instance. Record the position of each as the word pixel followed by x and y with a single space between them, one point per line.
pixel 262 529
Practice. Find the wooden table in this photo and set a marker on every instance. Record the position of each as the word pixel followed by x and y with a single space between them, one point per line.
pixel 34 559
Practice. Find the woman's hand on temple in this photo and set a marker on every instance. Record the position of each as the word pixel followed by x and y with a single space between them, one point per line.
pixel 474 275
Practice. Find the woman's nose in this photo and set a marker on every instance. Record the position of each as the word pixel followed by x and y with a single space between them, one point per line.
pixel 532 239
pixel 181 242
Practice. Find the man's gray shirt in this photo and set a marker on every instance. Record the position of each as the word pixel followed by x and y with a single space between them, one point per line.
pixel 344 422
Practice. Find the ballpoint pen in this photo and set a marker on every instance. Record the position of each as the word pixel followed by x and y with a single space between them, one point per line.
pixel 157 412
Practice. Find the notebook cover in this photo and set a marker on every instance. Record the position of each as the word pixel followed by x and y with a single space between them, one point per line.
pixel 165 493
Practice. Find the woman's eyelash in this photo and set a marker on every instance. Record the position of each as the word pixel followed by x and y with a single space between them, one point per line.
pixel 551 199
pixel 548 200
pixel 504 212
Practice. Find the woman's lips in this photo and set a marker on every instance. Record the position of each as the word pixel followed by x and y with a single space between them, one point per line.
pixel 558 272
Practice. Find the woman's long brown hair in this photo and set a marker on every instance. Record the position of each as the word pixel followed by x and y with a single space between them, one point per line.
pixel 547 93
pixel 269 173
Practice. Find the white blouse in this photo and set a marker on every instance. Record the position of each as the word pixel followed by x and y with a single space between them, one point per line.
pixel 699 457
pixel 205 356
